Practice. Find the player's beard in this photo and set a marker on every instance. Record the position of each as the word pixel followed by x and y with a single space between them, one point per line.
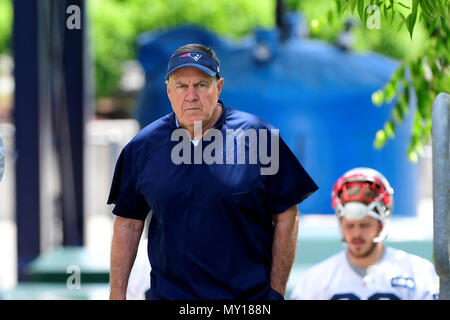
pixel 362 253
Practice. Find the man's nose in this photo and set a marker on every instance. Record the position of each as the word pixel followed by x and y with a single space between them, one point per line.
pixel 356 231
pixel 191 94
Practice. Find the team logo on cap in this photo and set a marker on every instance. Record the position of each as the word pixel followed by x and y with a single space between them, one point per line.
pixel 194 56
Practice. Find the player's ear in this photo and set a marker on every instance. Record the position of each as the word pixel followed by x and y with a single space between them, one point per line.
pixel 380 227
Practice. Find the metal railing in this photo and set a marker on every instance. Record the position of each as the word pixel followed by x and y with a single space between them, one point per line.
pixel 441 189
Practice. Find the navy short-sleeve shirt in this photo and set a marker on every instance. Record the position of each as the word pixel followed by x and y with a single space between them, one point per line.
pixel 211 231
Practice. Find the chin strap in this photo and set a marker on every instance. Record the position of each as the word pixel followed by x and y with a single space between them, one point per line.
pixel 383 234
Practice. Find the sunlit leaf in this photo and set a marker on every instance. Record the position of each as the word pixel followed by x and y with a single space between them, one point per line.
pixel 404 5
pixel 389 129
pixel 398 111
pixel 390 91
pixel 378 98
pixel 380 139
pixel 412 156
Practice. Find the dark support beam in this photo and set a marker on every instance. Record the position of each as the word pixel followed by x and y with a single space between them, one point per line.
pixel 50 110
pixel 72 116
pixel 26 119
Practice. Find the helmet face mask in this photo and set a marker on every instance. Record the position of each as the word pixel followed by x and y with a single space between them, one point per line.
pixel 363 192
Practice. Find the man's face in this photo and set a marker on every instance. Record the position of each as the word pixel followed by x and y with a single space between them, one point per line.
pixel 359 235
pixel 193 95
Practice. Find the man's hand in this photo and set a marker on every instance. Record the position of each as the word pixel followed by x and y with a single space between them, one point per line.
pixel 283 248
pixel 127 233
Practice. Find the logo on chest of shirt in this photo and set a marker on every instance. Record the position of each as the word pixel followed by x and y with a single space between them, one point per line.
pixel 403 282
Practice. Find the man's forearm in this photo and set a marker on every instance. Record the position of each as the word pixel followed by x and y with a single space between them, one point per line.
pixel 283 248
pixel 127 233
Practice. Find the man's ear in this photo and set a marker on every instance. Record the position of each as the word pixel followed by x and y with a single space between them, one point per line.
pixel 220 85
pixel 167 86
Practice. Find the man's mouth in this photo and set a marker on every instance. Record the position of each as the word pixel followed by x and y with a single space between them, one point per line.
pixel 357 242
pixel 191 108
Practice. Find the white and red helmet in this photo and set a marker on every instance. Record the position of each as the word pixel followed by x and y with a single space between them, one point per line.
pixel 357 205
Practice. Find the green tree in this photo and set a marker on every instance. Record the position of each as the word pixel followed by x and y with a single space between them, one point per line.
pixel 6 17
pixel 115 25
pixel 428 74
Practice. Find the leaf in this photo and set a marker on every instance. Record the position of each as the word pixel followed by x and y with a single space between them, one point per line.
pixel 410 25
pixel 427 130
pixel 361 10
pixel 400 25
pixel 439 6
pixel 389 128
pixel 398 111
pixel 404 5
pixel 346 5
pixel 338 6
pixel 411 20
pixel 404 105
pixel 419 147
pixel 354 2
pixel 390 90
pixel 412 156
pixel 378 98
pixel 426 10
pixel 443 23
pixel 399 73
pixel 330 17
pixel 380 139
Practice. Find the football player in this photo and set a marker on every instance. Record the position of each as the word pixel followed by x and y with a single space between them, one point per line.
pixel 367 270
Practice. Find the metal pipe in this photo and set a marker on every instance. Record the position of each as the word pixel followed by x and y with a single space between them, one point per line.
pixel 441 189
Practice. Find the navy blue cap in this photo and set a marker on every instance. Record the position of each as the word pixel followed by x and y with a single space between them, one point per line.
pixel 199 60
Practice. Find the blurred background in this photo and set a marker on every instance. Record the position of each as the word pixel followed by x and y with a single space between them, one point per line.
pixel 78 79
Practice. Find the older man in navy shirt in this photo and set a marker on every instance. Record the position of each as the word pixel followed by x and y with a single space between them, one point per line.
pixel 224 214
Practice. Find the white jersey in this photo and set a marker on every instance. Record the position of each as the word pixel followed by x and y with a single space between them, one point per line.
pixel 398 275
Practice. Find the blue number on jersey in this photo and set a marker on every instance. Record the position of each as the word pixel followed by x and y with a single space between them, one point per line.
pixel 375 296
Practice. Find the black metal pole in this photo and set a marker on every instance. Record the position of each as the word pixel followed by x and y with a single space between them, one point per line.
pixel 74 66
pixel 68 95
pixel 26 119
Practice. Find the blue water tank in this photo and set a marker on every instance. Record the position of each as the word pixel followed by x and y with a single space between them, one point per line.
pixel 317 95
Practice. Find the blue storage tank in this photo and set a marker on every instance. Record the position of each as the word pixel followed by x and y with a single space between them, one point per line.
pixel 317 95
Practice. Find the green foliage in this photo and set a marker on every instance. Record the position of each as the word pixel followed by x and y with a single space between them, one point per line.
pixel 428 73
pixel 115 25
pixel 6 18
pixel 416 32
pixel 327 18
